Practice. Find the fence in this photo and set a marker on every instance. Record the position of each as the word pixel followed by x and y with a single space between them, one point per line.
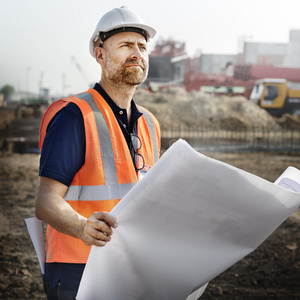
pixel 226 140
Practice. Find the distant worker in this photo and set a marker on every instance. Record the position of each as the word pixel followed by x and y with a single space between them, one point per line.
pixel 94 147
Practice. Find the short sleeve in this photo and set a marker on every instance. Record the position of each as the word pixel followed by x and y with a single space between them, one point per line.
pixel 63 151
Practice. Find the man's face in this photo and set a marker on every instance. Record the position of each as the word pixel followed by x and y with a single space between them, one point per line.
pixel 125 58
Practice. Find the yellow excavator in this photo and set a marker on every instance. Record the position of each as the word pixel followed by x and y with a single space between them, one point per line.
pixel 277 96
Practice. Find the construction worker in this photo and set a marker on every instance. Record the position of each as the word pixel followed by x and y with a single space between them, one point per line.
pixel 94 147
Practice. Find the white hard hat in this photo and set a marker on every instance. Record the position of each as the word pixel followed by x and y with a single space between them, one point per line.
pixel 119 20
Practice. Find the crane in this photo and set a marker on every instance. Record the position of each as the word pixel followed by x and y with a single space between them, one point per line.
pixel 80 69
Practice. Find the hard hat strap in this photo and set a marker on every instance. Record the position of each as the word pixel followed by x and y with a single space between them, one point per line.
pixel 105 35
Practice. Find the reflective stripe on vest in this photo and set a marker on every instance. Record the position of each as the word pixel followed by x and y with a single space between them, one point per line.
pixel 151 127
pixel 91 193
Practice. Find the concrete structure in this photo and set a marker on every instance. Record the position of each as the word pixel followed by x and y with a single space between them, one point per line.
pixel 215 63
pixel 268 54
pixel 293 51
pixel 274 54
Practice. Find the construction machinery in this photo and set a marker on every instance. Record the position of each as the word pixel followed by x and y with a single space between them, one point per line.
pixel 277 96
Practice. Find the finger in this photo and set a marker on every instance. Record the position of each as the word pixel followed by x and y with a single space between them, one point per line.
pixel 96 228
pixel 99 225
pixel 102 226
pixel 107 218
pixel 99 235
pixel 93 236
pixel 89 241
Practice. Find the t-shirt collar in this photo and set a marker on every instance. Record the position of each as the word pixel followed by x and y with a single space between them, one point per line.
pixel 135 113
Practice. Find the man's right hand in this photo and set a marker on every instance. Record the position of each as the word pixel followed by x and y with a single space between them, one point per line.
pixel 54 210
pixel 98 229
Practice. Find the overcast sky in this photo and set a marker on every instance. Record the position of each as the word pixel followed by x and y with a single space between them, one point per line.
pixel 39 37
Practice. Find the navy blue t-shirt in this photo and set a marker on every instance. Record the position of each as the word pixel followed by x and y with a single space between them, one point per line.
pixel 62 155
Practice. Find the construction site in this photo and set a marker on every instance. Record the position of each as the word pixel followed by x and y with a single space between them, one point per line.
pixel 241 109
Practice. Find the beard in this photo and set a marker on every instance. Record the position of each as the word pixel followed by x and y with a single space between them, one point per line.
pixel 119 73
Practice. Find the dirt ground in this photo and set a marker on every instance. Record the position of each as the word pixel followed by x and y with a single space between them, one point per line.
pixel 270 272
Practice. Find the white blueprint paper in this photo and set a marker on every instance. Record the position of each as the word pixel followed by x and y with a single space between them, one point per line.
pixel 35 230
pixel 289 179
pixel 189 219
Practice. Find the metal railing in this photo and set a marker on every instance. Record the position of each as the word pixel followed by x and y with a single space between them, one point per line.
pixel 250 139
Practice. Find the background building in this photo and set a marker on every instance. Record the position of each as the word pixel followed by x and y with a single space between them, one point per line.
pixel 167 60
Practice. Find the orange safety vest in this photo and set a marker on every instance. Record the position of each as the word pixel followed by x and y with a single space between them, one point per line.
pixel 108 172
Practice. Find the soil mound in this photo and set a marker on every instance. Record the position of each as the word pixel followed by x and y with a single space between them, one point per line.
pixel 175 106
pixel 289 121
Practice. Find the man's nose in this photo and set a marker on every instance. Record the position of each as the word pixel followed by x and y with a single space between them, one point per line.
pixel 136 53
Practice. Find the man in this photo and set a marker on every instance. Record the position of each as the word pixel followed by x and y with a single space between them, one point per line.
pixel 94 147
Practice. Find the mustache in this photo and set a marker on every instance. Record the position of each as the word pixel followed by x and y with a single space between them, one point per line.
pixel 139 62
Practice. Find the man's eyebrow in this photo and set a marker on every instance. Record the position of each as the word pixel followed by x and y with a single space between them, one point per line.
pixel 133 42
pixel 127 41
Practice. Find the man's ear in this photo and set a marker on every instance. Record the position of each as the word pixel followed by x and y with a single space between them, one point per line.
pixel 99 55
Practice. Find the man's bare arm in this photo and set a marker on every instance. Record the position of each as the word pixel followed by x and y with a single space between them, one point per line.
pixel 54 210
